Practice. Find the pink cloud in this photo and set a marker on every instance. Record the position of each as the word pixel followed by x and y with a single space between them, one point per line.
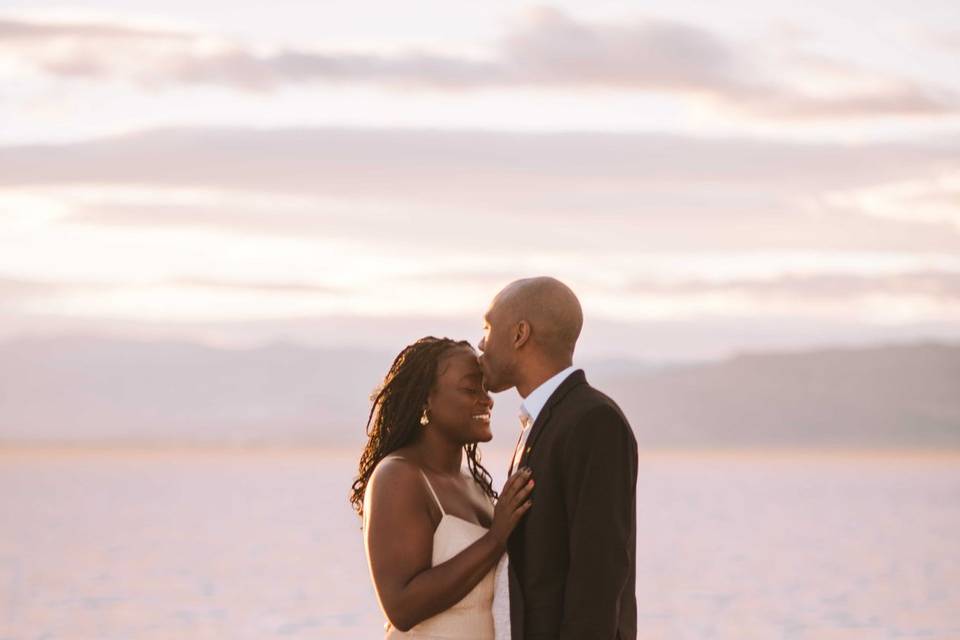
pixel 644 192
pixel 549 49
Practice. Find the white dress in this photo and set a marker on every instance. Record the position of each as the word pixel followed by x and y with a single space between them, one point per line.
pixel 480 614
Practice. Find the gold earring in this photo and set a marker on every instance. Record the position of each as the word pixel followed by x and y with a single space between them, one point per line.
pixel 424 420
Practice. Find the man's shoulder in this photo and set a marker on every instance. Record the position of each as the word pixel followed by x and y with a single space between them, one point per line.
pixel 584 400
pixel 585 395
pixel 590 415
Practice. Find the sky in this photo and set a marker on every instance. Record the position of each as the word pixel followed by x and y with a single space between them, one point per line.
pixel 708 179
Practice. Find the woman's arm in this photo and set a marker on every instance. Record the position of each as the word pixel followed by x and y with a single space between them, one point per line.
pixel 399 543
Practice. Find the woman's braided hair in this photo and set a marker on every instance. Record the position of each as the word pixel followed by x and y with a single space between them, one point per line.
pixel 394 419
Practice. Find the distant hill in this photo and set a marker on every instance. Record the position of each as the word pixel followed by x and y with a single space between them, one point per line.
pixel 879 397
pixel 95 390
pixel 102 390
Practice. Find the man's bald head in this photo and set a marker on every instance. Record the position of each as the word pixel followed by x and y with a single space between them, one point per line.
pixel 549 307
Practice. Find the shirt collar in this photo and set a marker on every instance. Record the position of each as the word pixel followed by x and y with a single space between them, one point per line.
pixel 536 399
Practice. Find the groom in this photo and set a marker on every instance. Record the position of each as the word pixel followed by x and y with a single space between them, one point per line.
pixel 572 558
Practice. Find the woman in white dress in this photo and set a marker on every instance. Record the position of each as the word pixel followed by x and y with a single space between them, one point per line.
pixel 435 535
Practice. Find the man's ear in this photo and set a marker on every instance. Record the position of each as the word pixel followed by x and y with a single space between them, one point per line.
pixel 521 334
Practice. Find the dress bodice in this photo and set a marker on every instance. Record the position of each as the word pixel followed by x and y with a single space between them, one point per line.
pixel 471 618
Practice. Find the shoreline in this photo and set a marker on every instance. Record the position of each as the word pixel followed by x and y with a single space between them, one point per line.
pixel 754 452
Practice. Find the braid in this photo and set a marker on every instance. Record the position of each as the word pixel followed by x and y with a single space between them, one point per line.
pixel 394 419
pixel 477 470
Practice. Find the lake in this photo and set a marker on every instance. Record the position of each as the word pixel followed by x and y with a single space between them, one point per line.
pixel 234 544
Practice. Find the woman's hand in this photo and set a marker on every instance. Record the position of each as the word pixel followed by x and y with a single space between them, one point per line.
pixel 513 504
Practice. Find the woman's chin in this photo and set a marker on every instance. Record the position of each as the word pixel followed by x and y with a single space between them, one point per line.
pixel 484 434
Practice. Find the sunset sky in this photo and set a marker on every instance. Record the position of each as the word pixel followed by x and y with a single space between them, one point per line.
pixel 708 177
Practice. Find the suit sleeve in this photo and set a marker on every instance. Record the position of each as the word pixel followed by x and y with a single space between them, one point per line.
pixel 600 478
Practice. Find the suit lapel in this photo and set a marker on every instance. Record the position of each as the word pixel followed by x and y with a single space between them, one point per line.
pixel 543 418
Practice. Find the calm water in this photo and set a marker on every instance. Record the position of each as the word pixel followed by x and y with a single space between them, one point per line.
pixel 236 545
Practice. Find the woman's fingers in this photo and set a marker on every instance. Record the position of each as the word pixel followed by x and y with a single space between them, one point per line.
pixel 515 482
pixel 515 497
pixel 521 493
pixel 519 477
pixel 519 512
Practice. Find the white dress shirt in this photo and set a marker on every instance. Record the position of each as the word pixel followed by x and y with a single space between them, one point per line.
pixel 531 407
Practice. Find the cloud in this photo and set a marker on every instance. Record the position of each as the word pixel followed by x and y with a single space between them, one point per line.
pixel 240 68
pixel 637 192
pixel 548 49
pixel 935 199
pixel 15 291
pixel 897 98
pixel 11 289
pixel 265 287
pixel 657 55
pixel 943 40
pixel 36 31
pixel 939 285
pixel 194 224
pixel 552 48
pixel 826 286
pixel 358 161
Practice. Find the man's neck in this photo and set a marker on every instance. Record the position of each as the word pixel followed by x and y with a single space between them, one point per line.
pixel 539 375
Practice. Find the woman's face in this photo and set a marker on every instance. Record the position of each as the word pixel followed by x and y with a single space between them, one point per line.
pixel 458 404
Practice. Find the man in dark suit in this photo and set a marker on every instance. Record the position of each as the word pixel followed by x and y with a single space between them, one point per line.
pixel 573 557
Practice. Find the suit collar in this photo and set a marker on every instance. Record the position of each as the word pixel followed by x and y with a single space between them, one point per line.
pixel 572 381
pixel 537 399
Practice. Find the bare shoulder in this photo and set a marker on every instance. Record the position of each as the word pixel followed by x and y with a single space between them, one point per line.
pixel 395 496
pixel 395 474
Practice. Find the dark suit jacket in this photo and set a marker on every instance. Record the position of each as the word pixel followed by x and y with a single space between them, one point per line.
pixel 573 556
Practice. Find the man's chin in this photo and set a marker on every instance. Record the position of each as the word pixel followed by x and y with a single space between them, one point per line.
pixel 495 386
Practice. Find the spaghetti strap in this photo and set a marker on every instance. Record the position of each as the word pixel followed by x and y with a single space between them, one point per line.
pixel 427 480
pixel 434 493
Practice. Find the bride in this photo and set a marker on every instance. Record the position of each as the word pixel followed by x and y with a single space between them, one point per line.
pixel 435 534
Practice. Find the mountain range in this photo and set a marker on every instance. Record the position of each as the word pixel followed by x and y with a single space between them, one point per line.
pixel 83 390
